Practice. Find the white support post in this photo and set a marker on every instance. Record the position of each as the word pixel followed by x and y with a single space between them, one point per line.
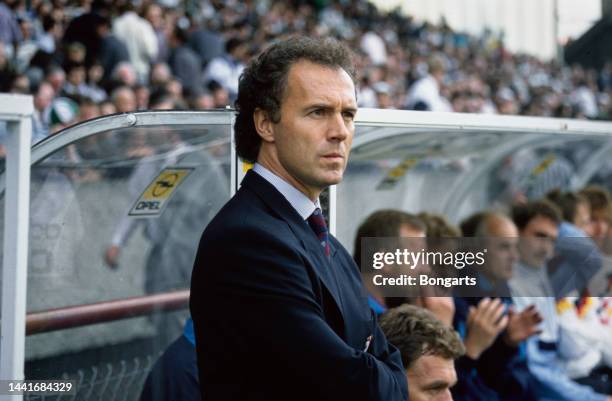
pixel 16 225
pixel 332 209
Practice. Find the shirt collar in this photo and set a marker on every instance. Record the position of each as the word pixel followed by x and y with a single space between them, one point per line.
pixel 300 202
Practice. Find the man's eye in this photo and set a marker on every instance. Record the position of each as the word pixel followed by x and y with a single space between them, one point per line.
pixel 318 112
pixel 348 115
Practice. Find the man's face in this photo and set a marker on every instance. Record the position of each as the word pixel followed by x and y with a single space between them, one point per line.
pixel 582 219
pixel 538 241
pixel 126 101
pixel 310 145
pixel 414 241
pixel 44 96
pixel 502 249
pixel 599 224
pixel 430 378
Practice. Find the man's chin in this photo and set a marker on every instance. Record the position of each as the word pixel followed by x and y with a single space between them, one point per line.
pixel 331 179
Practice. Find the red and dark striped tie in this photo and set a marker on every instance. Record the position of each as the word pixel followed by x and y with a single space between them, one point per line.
pixel 317 223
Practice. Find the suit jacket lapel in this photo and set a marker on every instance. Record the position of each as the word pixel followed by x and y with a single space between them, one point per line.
pixel 281 207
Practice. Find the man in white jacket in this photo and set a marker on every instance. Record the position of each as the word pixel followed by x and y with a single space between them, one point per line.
pixel 139 37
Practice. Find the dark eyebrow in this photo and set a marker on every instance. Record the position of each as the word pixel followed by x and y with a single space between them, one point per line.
pixel 541 234
pixel 435 385
pixel 328 107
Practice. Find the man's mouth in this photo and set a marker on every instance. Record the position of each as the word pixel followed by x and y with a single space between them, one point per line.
pixel 333 156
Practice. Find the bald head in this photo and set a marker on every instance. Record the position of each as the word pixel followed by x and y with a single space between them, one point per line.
pixel 497 225
pixel 502 246
pixel 124 99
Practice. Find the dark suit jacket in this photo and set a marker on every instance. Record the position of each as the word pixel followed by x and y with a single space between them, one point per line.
pixel 275 319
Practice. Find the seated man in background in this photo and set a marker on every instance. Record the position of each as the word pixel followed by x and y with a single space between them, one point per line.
pixel 494 361
pixel 428 349
pixel 599 230
pixel 538 223
pixel 577 258
pixel 385 223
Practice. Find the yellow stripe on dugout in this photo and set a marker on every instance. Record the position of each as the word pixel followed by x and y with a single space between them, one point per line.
pixel 157 194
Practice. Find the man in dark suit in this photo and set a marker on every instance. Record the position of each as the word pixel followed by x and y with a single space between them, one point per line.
pixel 277 303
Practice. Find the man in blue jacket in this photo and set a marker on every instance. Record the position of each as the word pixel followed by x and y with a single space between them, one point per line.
pixel 277 303
pixel 494 367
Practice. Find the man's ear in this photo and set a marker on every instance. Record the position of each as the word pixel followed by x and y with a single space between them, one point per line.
pixel 263 125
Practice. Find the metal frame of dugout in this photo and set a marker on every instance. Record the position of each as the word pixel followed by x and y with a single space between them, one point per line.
pixel 450 155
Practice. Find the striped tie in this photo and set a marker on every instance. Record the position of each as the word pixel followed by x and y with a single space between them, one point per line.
pixel 317 223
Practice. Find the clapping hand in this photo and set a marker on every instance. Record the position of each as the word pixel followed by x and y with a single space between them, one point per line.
pixel 484 323
pixel 522 325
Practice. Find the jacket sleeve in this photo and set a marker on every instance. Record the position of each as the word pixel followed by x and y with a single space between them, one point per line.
pixel 268 298
pixel 554 382
pixel 504 370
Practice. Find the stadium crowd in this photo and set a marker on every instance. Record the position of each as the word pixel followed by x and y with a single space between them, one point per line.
pixel 83 59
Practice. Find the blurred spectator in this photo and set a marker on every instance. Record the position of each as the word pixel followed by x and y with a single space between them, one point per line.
pixel 175 89
pixel 184 63
pixel 138 36
pixel 107 107
pixel 374 46
pixel 94 77
pixel 226 69
pixel 75 54
pixel 220 95
pixel 42 104
pixel 154 14
pixel 142 93
pixel 75 85
pixel 207 44
pixel 124 99
pixel 425 94
pixel 384 96
pixel 7 71
pixel 83 29
pixel 56 77
pixel 160 75
pixel 64 112
pixel 203 102
pixel 21 84
pixel 10 34
pixel 123 74
pixel 112 50
pixel 27 45
pixel 88 110
pixel 52 32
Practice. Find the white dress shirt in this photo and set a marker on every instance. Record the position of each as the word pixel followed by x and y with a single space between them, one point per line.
pixel 300 202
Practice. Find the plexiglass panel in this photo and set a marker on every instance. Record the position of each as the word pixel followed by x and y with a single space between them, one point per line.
pixel 115 215
pixel 456 172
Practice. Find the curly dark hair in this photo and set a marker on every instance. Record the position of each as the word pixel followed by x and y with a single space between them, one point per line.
pixel 262 84
pixel 567 202
pixel 522 214
pixel 417 332
pixel 385 223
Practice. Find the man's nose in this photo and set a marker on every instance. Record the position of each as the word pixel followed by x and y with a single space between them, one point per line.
pixel 339 127
pixel 514 254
